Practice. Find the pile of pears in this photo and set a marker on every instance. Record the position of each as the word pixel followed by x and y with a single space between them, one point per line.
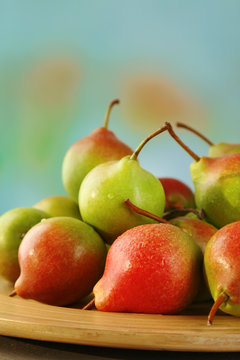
pixel 130 241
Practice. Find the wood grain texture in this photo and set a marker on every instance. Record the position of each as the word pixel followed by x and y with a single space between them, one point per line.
pixel 189 332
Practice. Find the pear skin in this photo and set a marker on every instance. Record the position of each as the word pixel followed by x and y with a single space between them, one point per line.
pixel 14 224
pixel 215 150
pixel 152 268
pixel 222 267
pixel 201 232
pixel 61 259
pixel 99 146
pixel 217 188
pixel 108 185
pixel 217 184
pixel 223 148
pixel 59 205
pixel 177 194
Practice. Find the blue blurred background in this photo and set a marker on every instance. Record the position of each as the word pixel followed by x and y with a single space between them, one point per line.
pixel 62 62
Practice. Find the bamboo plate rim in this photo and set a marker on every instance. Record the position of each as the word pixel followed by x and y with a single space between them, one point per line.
pixel 33 320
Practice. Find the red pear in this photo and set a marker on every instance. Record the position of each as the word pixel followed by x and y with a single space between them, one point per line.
pixel 177 193
pixel 198 230
pixel 60 259
pixel 201 232
pixel 222 268
pixel 152 268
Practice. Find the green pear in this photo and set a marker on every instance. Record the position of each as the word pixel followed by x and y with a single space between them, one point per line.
pixel 222 269
pixel 14 224
pixel 217 185
pixel 105 188
pixel 59 205
pixel 215 150
pixel 99 146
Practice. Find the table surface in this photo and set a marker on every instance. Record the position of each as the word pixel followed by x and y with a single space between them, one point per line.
pixel 23 349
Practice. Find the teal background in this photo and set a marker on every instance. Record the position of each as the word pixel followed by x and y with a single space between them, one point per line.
pixel 62 62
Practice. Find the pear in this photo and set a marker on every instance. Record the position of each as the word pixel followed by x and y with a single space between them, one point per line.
pixel 223 148
pixel 215 150
pixel 151 268
pixel 222 269
pixel 59 205
pixel 199 230
pixel 217 188
pixel 14 224
pixel 105 188
pixel 177 194
pixel 217 185
pixel 99 146
pixel 61 259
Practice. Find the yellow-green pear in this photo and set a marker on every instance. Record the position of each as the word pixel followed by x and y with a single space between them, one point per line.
pixel 99 146
pixel 215 150
pixel 59 205
pixel 14 224
pixel 107 186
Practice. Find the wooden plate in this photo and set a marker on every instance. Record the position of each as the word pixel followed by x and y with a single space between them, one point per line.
pixel 188 332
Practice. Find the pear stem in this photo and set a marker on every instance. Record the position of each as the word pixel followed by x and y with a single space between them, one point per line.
pixel 13 293
pixel 140 211
pixel 89 305
pixel 110 106
pixel 222 298
pixel 203 137
pixel 180 142
pixel 174 212
pixel 149 137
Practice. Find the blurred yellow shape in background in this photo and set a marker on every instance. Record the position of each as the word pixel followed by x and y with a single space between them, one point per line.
pixel 150 100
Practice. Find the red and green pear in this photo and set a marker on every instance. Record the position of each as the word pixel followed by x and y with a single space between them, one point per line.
pixel 14 224
pixel 177 194
pixel 99 146
pixel 215 150
pixel 104 189
pixel 61 259
pixel 222 148
pixel 151 268
pixel 222 269
pixel 200 231
pixel 59 205
pixel 217 185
